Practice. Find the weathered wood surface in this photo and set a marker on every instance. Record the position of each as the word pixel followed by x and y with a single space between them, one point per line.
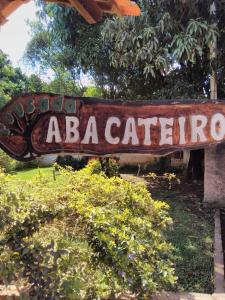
pixel 214 178
pixel 39 124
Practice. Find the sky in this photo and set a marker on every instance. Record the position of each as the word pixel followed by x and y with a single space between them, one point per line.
pixel 14 35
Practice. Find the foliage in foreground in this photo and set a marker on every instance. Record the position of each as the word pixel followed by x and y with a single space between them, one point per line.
pixel 192 233
pixel 163 53
pixel 11 165
pixel 90 238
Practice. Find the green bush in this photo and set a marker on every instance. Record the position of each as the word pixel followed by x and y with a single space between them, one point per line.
pixel 171 179
pixel 110 166
pixel 92 237
pixel 10 165
pixel 6 162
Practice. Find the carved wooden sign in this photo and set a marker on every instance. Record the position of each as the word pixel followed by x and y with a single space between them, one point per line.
pixel 34 125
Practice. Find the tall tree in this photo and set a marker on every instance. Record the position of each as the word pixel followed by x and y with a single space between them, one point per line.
pixel 64 85
pixel 82 50
pixel 12 81
pixel 93 91
pixel 164 53
pixel 170 32
pixel 139 57
pixel 34 84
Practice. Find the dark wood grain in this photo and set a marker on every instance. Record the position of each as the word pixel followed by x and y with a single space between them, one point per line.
pixel 25 121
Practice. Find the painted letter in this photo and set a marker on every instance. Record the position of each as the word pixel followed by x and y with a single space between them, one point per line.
pixel 130 133
pixel 72 133
pixel 218 127
pixel 91 132
pixel 182 121
pixel 18 109
pixel 198 123
pixel 30 108
pixel 43 104
pixel 166 131
pixel 53 131
pixel 147 124
pixel 57 104
pixel 70 106
pixel 108 135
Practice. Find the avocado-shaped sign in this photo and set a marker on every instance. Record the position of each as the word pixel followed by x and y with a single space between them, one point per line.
pixel 38 124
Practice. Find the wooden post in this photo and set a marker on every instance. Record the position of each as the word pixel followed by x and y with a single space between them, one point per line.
pixel 214 181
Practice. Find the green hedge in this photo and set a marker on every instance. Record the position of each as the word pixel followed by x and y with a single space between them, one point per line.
pixel 86 236
pixel 10 165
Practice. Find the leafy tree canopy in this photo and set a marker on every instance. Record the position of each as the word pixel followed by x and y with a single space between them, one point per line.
pixel 166 32
pixel 12 81
pixel 93 91
pixel 65 86
pixel 162 53
pixel 34 84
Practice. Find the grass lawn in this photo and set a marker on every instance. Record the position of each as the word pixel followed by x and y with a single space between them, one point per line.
pixel 29 174
pixel 191 234
pixel 192 238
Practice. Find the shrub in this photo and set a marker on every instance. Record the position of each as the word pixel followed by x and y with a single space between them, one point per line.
pixel 171 179
pixel 6 162
pixel 95 166
pixel 10 165
pixel 91 237
pixel 110 166
pixel 151 176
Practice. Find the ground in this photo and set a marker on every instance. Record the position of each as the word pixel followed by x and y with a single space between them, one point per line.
pixel 28 174
pixel 191 233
